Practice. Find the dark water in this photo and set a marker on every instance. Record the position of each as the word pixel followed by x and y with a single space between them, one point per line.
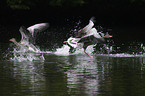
pixel 75 75
pixel 118 72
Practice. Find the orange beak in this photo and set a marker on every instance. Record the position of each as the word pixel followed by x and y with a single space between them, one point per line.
pixel 65 42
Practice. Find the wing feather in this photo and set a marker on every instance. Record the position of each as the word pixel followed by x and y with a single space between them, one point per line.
pixel 85 30
pixel 26 35
pixel 37 28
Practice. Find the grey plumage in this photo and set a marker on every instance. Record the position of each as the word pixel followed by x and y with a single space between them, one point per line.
pixel 29 34
pixel 88 36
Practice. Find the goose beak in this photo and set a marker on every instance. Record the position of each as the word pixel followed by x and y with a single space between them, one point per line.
pixel 65 42
pixel 11 39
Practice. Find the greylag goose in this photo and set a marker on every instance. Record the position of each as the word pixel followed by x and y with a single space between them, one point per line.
pixel 28 35
pixel 87 36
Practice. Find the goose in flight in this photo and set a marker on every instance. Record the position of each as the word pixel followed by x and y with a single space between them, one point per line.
pixel 28 35
pixel 87 36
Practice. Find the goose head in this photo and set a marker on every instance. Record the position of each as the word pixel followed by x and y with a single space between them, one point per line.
pixel 13 40
pixel 65 42
pixel 107 36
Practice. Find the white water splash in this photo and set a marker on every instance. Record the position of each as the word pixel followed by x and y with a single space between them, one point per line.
pixel 90 49
pixel 64 50
pixel 27 53
pixel 24 53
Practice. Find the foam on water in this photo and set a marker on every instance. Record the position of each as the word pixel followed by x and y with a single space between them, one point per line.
pixel 23 53
pixel 63 51
pixel 112 51
pixel 26 53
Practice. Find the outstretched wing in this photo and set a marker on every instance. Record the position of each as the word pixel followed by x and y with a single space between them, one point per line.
pixel 37 28
pixel 85 30
pixel 89 40
pixel 93 32
pixel 26 35
pixel 92 37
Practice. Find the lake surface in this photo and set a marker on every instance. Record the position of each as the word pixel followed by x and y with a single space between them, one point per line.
pixel 74 75
pixel 119 71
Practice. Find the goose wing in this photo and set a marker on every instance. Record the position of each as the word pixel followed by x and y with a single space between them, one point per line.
pixel 94 32
pixel 85 30
pixel 26 35
pixel 37 28
pixel 93 37
pixel 89 39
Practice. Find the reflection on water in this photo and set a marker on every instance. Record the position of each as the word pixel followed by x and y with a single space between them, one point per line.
pixel 84 76
pixel 22 78
pixel 74 75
